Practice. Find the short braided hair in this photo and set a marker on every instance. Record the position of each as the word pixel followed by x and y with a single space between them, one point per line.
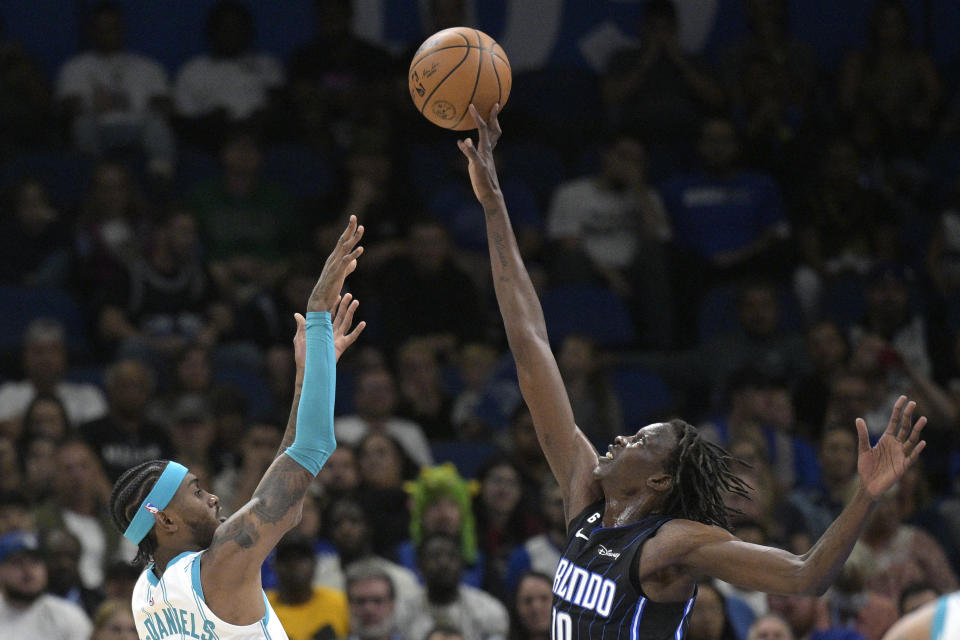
pixel 130 489
pixel 701 477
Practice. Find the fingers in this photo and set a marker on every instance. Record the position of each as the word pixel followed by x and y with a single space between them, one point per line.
pixel 916 452
pixel 895 416
pixel 912 442
pixel 494 122
pixel 906 420
pixel 345 311
pixel 469 150
pixel 301 322
pixel 863 438
pixel 477 118
pixel 351 337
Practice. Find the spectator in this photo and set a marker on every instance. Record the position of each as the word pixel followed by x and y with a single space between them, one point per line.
pixel 192 434
pixel 258 448
pixel 116 98
pixel 26 611
pixel 770 627
pixel 125 437
pixel 613 227
pixel 337 78
pixel 114 621
pixel 229 85
pixel 15 513
pixel 266 318
pixel 890 555
pixel 709 619
pixel 45 365
pixel 504 519
pixel 371 600
pixel 826 351
pixel 192 374
pixel 591 394
pixel 375 400
pixel 61 553
pixel 46 417
pixel 34 238
pixel 809 617
pixel 658 89
pixel 476 364
pixel 443 632
pixel 247 224
pixel 843 226
pixel 384 470
pixel 531 613
pixel 307 612
pixel 166 299
pixel 440 504
pixel 109 227
pixel 914 596
pixel 876 615
pixel 541 553
pixel 27 118
pixel 80 504
pixel 890 79
pixel 349 529
pixel 121 577
pixel 340 476
pixel 423 399
pixel 729 220
pixel 39 468
pixel 410 284
pixel 11 476
pixel 819 505
pixel 478 615
pixel 524 449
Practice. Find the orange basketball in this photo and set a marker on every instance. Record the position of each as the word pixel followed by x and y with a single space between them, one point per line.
pixel 453 68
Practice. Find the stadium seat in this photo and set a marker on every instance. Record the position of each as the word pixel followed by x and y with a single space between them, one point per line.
pixel 468 457
pixel 591 311
pixel 643 395
pixel 22 305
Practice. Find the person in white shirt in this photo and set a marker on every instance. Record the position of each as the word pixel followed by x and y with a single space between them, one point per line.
pixel 231 79
pixel 25 610
pixel 203 579
pixel 45 364
pixel 375 400
pixel 117 97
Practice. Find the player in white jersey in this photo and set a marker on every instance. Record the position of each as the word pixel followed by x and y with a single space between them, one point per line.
pixel 203 580
pixel 937 620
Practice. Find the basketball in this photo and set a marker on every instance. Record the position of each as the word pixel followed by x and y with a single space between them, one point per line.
pixel 456 67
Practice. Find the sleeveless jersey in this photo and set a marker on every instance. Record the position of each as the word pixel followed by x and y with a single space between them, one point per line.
pixel 173 607
pixel 946 618
pixel 596 593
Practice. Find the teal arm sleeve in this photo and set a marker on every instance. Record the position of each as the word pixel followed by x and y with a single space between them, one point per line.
pixel 315 440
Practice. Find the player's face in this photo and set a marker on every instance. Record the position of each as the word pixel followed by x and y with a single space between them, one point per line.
pixel 199 510
pixel 639 455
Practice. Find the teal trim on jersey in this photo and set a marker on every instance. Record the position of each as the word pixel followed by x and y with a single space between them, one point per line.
pixel 152 577
pixel 266 609
pixel 159 497
pixel 178 558
pixel 195 579
pixel 939 619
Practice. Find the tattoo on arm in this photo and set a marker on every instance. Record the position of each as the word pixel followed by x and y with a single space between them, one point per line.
pixel 498 245
pixel 290 434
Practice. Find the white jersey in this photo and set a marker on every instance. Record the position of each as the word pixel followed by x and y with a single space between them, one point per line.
pixel 946 619
pixel 173 607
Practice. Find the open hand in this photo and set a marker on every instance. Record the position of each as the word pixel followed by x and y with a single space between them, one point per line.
pixel 882 465
pixel 483 172
pixel 340 263
pixel 343 337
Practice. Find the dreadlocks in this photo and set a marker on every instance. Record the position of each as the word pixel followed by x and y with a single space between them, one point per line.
pixel 128 492
pixel 701 476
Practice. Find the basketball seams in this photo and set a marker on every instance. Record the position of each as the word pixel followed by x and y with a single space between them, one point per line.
pixel 496 74
pixel 449 73
pixel 476 81
pixel 447 47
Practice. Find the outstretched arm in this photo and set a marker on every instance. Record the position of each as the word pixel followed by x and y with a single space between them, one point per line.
pixel 712 551
pixel 571 456
pixel 230 569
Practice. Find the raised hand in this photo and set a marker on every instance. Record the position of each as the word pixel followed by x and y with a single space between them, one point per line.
pixel 340 263
pixel 882 465
pixel 483 172
pixel 343 337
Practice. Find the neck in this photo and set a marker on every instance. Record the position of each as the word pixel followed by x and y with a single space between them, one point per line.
pixel 624 508
pixel 442 594
pixel 163 556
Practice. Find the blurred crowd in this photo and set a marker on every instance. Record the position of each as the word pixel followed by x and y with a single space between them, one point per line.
pixel 763 246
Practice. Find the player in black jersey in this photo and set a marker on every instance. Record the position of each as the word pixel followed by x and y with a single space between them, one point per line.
pixel 647 520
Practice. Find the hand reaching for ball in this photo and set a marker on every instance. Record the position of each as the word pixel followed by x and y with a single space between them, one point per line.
pixel 483 171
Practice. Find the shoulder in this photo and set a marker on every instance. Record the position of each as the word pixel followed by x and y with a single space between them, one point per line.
pixel 479 602
pixel 63 611
pixel 676 537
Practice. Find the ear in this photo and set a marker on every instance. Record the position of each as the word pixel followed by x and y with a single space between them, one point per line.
pixel 165 523
pixel 660 482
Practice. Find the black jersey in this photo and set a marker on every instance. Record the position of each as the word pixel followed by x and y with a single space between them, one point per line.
pixel 596 593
